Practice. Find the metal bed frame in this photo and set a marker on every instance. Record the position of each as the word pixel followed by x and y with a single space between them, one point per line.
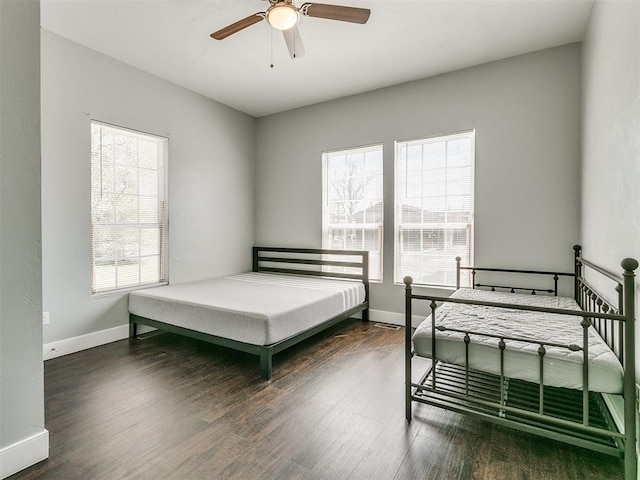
pixel 577 417
pixel 292 261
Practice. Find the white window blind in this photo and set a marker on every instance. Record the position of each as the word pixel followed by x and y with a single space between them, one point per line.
pixel 434 208
pixel 128 208
pixel 352 204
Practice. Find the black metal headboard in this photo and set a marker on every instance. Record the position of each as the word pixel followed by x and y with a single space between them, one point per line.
pixel 533 290
pixel 314 262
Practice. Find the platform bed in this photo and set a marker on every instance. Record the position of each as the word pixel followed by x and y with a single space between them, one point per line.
pixel 555 367
pixel 291 295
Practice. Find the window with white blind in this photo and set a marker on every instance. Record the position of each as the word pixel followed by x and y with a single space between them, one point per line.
pixel 434 208
pixel 352 203
pixel 128 208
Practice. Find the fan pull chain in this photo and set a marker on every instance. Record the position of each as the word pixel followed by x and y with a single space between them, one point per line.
pixel 271 65
pixel 295 42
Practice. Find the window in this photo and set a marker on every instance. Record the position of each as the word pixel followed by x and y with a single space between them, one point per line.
pixel 128 208
pixel 434 208
pixel 352 203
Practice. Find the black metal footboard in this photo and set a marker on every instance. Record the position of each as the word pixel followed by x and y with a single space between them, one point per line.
pixel 578 417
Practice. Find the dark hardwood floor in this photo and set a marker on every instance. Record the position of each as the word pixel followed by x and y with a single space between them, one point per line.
pixel 167 407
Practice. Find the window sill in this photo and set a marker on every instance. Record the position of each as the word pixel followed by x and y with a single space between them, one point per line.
pixel 127 289
pixel 448 288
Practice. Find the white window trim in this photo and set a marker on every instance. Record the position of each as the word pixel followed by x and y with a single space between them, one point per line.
pixel 164 253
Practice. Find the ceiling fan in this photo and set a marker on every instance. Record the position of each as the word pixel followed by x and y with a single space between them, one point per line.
pixel 284 15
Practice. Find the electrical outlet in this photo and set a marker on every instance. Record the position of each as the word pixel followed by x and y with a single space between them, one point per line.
pixel 45 318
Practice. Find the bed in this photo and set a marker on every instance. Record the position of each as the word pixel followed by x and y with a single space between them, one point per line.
pixel 529 359
pixel 290 295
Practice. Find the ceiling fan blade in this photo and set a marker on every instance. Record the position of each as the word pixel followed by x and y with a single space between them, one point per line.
pixel 239 25
pixel 336 12
pixel 294 42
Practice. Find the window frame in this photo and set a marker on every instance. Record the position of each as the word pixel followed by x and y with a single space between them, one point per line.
pixel 377 227
pixel 423 226
pixel 162 225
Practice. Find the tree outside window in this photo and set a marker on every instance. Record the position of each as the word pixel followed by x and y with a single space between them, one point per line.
pixel 353 203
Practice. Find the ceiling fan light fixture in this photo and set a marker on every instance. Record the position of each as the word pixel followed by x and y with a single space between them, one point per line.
pixel 282 16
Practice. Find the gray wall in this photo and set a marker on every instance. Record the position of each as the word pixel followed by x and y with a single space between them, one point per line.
pixel 611 137
pixel 21 367
pixel 526 112
pixel 211 179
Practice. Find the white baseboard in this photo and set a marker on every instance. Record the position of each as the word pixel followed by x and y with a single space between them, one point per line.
pixel 24 453
pixel 83 342
pixel 393 318
pixel 615 404
pixel 95 339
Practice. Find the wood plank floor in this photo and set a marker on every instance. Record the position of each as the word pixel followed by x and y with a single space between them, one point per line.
pixel 167 407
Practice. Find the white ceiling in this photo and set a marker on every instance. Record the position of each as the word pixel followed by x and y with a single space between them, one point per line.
pixel 404 40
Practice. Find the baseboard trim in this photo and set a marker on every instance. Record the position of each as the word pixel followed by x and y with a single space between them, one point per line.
pixel 393 318
pixel 615 404
pixel 83 342
pixel 102 337
pixel 24 453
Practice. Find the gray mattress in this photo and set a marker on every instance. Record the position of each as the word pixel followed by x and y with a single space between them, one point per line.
pixel 255 308
pixel 562 367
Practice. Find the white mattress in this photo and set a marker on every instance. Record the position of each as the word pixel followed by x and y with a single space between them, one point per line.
pixel 562 367
pixel 256 308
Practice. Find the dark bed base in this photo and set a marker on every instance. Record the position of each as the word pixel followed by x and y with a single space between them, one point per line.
pixel 578 417
pixel 264 259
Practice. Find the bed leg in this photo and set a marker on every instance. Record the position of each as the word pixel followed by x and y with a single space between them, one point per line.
pixel 408 348
pixel 630 457
pixel 407 403
pixel 133 329
pixel 365 315
pixel 266 364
